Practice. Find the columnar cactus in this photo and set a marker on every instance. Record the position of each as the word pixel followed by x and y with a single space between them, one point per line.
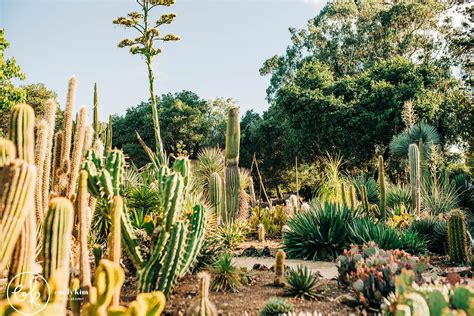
pixel 57 229
pixel 261 232
pixel 381 185
pixel 56 164
pixel 50 117
pixel 280 268
pixel 459 247
pixel 195 238
pixel 364 198
pixel 17 181
pixel 77 153
pixel 7 151
pixel 115 244
pixel 415 177
pixel 352 197
pixel 67 126
pixel 82 201
pixel 253 199
pixel 22 124
pixel 202 306
pixel 232 176
pixel 95 120
pixel 42 133
pixel 216 196
pixel 108 143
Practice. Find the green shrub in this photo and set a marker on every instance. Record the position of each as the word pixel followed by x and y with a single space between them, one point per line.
pixel 226 276
pixel 413 243
pixel 319 233
pixel 276 306
pixel 364 230
pixel 211 250
pixel 302 283
pixel 439 197
pixel 230 236
pixel 434 231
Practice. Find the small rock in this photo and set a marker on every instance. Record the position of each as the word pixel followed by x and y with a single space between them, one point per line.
pixel 250 252
pixel 266 252
pixel 260 267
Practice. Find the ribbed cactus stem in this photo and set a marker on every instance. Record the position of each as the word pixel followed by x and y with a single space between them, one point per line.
pixel 261 232
pixel 352 197
pixel 343 194
pixel 96 113
pixel 68 124
pixel 232 175
pixel 77 153
pixel 7 151
pixel 115 247
pixel 381 185
pixel 415 177
pixel 253 199
pixel 280 268
pixel 57 239
pixel 56 164
pixel 202 306
pixel 82 201
pixel 88 140
pixel 459 247
pixel 108 145
pixel 364 198
pixel 22 131
pixel 50 117
pixel 42 133
pixel 216 195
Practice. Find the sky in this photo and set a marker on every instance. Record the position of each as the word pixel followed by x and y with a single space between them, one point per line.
pixel 224 43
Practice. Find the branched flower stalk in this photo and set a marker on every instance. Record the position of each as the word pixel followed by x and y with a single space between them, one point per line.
pixel 144 45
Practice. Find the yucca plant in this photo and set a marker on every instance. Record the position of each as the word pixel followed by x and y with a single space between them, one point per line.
pixel 434 231
pixel 319 233
pixel 302 283
pixel 230 236
pixel 209 160
pixel 439 197
pixel 398 196
pixel 364 230
pixel 145 198
pixel 423 132
pixel 226 276
pixel 276 306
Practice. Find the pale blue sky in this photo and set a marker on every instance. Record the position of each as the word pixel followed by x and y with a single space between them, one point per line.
pixel 223 45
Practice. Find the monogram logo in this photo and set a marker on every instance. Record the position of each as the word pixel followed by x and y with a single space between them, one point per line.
pixel 30 295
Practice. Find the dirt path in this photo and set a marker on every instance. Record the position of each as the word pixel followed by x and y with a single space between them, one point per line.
pixel 327 269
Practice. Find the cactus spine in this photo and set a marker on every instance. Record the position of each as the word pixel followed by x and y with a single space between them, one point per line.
pixel 381 184
pixel 415 177
pixel 261 232
pixel 232 175
pixel 202 306
pixel 280 268
pixel 82 201
pixel 7 151
pixel 216 195
pixel 459 248
pixel 58 225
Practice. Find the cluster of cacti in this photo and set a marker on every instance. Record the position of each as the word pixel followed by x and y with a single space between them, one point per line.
pixel 440 299
pixel 108 281
pixel 459 247
pixel 414 163
pixel 348 197
pixel 202 306
pixel 371 271
pixel 279 268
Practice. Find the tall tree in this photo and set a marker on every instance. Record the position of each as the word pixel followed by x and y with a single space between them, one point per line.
pixel 145 45
pixel 9 94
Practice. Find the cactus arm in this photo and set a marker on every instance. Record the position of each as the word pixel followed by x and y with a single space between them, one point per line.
pixel 194 239
pixel 129 240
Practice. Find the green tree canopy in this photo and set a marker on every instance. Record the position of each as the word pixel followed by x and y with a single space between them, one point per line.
pixel 186 119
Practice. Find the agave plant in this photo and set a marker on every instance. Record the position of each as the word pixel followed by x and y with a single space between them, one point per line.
pixel 276 306
pixel 302 283
pixel 414 243
pixel 364 230
pixel 210 160
pixel 398 196
pixel 230 236
pixel 435 231
pixel 226 275
pixel 319 233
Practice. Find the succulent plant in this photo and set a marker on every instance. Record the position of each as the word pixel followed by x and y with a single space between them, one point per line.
pixel 276 306
pixel 202 306
pixel 279 268
pixel 261 232
pixel 232 175
pixel 415 177
pixel 302 283
pixel 226 276
pixel 459 248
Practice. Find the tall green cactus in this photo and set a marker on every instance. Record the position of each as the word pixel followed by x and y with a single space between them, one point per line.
pixel 232 175
pixel 95 120
pixel 415 177
pixel 82 201
pixel 42 133
pixel 216 196
pixel 381 185
pixel 115 244
pixel 22 125
pixel 459 248
pixel 202 306
pixel 364 198
pixel 57 229
pixel 108 143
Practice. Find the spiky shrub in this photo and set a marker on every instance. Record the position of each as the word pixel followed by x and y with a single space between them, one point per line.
pixel 459 248
pixel 230 236
pixel 434 231
pixel 232 174
pixel 319 233
pixel 211 249
pixel 372 271
pixel 209 160
pixel 370 185
pixel 279 268
pixel 439 197
pixel 276 306
pixel 57 239
pixel 398 196
pixel 414 164
pixel 202 306
pixel 302 283
pixel 364 230
pixel 413 299
pixel 17 181
pixel 413 243
pixel 226 276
